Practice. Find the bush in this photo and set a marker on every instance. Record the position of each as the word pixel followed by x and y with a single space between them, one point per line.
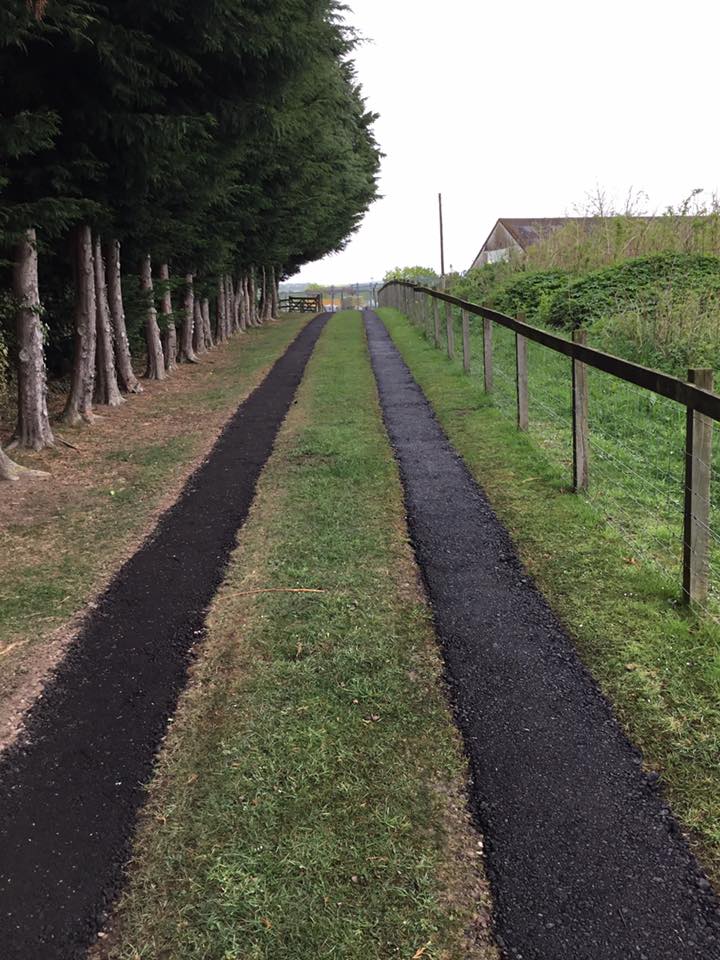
pixel 643 281
pixel 480 283
pixel 530 293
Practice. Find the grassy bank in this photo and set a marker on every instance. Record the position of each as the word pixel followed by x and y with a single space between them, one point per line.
pixel 659 666
pixel 64 536
pixel 309 802
pixel 637 448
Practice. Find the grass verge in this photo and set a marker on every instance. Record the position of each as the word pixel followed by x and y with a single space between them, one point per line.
pixel 637 447
pixel 310 798
pixel 658 664
pixel 65 536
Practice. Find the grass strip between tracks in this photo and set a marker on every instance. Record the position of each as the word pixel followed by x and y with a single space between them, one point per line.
pixel 310 801
pixel 658 664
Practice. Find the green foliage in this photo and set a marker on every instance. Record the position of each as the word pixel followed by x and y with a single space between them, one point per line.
pixel 530 293
pixel 423 276
pixel 480 283
pixel 217 136
pixel 644 280
pixel 672 332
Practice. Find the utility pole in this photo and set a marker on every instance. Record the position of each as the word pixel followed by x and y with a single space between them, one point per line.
pixel 442 244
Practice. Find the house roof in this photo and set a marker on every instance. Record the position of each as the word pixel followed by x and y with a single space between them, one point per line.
pixel 528 232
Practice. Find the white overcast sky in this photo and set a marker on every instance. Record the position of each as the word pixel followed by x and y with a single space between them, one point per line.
pixel 522 108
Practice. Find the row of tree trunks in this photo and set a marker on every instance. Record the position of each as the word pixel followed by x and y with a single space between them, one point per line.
pixel 102 364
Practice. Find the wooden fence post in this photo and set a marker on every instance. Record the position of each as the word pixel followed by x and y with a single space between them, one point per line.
pixel 487 355
pixel 436 312
pixel 698 454
pixel 466 340
pixel 450 330
pixel 581 451
pixel 521 367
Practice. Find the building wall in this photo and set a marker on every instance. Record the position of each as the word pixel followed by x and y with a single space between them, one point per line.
pixel 499 245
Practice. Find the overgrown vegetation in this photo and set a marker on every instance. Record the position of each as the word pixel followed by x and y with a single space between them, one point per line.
pixel 604 236
pixel 658 663
pixel 647 288
pixel 640 282
pixel 308 802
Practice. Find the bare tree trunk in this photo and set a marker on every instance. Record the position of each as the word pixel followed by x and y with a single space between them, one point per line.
pixel 33 430
pixel 220 329
pixel 229 328
pixel 198 328
pixel 9 470
pixel 123 361
pixel 155 359
pixel 170 332
pixel 266 313
pixel 79 401
pixel 107 391
pixel 246 294
pixel 276 292
pixel 237 307
pixel 187 354
pixel 261 304
pixel 252 291
pixel 242 302
pixel 207 327
pixel 229 305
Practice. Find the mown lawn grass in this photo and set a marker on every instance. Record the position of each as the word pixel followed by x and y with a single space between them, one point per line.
pixel 658 664
pixel 309 801
pixel 64 536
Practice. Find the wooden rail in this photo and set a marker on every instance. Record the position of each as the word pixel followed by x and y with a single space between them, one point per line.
pixel 696 394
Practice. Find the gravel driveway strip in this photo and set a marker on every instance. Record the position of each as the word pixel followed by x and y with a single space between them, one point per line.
pixel 585 858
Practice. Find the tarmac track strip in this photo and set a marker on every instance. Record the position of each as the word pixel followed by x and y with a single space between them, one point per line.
pixel 71 789
pixel 585 858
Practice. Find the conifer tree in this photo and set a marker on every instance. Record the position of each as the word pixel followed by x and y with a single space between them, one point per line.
pixel 222 139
